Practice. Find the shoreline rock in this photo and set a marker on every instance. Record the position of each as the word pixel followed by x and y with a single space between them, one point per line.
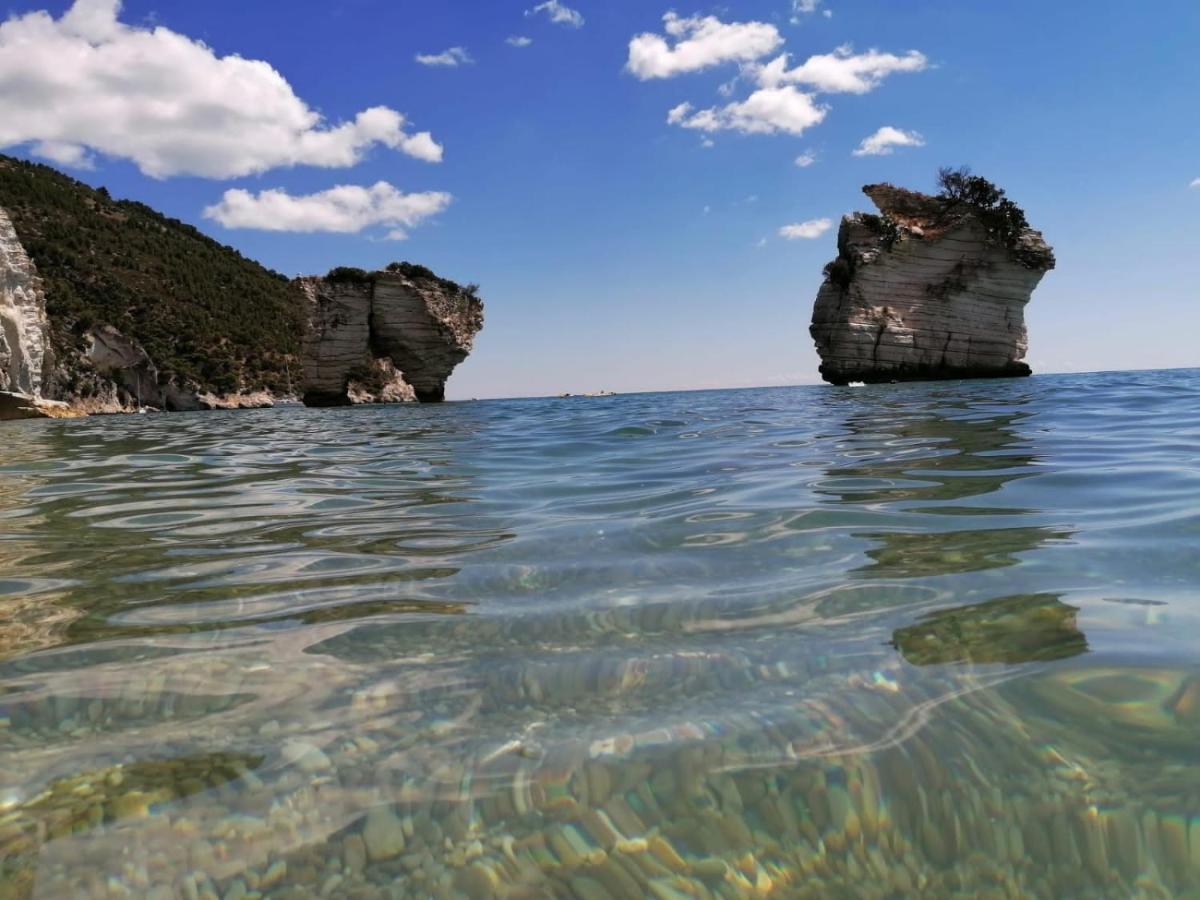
pixel 108 306
pixel 24 327
pixel 925 291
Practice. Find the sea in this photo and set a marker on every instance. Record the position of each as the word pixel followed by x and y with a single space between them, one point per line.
pixel 936 640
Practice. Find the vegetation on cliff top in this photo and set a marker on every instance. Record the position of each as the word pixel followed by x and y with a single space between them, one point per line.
pixel 411 271
pixel 959 192
pixel 203 312
pixel 1004 220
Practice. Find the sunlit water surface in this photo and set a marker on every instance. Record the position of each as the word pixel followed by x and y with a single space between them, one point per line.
pixel 861 642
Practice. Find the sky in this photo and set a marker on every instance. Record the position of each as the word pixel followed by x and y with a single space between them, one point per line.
pixel 645 192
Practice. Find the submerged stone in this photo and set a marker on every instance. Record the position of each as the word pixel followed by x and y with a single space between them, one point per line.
pixel 1017 629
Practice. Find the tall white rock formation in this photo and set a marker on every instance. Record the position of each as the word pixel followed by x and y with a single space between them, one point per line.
pixel 385 338
pixel 24 329
pixel 923 291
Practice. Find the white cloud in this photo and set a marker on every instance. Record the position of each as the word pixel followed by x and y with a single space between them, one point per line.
pixel 841 72
pixel 88 83
pixel 766 111
pixel 801 8
pixel 518 40
pixel 883 141
pixel 455 56
pixel 700 42
pixel 1195 183
pixel 559 14
pixel 806 159
pixel 813 228
pixel 345 209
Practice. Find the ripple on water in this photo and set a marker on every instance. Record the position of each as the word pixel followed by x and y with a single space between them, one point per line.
pixel 932 639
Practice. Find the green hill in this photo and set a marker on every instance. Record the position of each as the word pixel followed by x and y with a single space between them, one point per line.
pixel 206 315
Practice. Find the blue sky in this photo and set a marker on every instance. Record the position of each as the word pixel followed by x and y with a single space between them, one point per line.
pixel 616 250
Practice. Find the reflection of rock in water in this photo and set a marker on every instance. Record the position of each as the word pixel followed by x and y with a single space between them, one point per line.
pixel 969 451
pixel 923 467
pixel 947 552
pixel 32 623
pixel 1026 628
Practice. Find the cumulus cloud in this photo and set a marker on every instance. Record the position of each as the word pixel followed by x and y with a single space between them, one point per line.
pixel 518 40
pixel 813 228
pixel 806 159
pixel 559 14
pixel 841 72
pixel 86 82
pixel 455 56
pixel 1195 183
pixel 783 98
pixel 700 42
pixel 886 139
pixel 766 111
pixel 345 209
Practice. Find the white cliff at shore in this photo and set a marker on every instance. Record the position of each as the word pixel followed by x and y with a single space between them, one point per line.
pixel 385 337
pixel 23 324
pixel 107 306
pixel 24 330
pixel 925 290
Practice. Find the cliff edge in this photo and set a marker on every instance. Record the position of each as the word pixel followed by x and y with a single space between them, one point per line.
pixel 933 287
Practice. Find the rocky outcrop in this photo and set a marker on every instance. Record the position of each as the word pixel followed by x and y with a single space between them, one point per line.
pixel 106 306
pixel 24 328
pixel 926 290
pixel 126 365
pixel 385 337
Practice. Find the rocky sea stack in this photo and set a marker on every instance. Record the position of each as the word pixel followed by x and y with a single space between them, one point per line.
pixel 384 337
pixel 933 287
pixel 109 306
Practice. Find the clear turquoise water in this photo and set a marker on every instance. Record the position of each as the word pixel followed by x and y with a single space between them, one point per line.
pixel 935 639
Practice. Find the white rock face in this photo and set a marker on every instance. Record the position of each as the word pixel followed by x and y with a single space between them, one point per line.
pixel 123 360
pixel 939 297
pixel 338 338
pixel 389 340
pixel 24 329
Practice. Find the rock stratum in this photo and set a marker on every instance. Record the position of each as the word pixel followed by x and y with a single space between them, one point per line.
pixel 931 288
pixel 385 337
pixel 107 306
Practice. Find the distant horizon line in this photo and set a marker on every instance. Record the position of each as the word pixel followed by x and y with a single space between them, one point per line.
pixel 762 387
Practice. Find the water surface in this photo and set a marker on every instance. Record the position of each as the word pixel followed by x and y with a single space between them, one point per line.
pixel 864 642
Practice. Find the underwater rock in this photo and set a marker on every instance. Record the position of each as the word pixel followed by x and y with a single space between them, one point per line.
pixel 383 834
pixel 1025 628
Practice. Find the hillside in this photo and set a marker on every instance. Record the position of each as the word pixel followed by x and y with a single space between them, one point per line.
pixel 206 315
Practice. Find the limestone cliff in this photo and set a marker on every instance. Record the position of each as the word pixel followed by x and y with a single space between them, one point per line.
pixel 107 305
pixel 24 332
pixel 930 288
pixel 24 329
pixel 385 336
